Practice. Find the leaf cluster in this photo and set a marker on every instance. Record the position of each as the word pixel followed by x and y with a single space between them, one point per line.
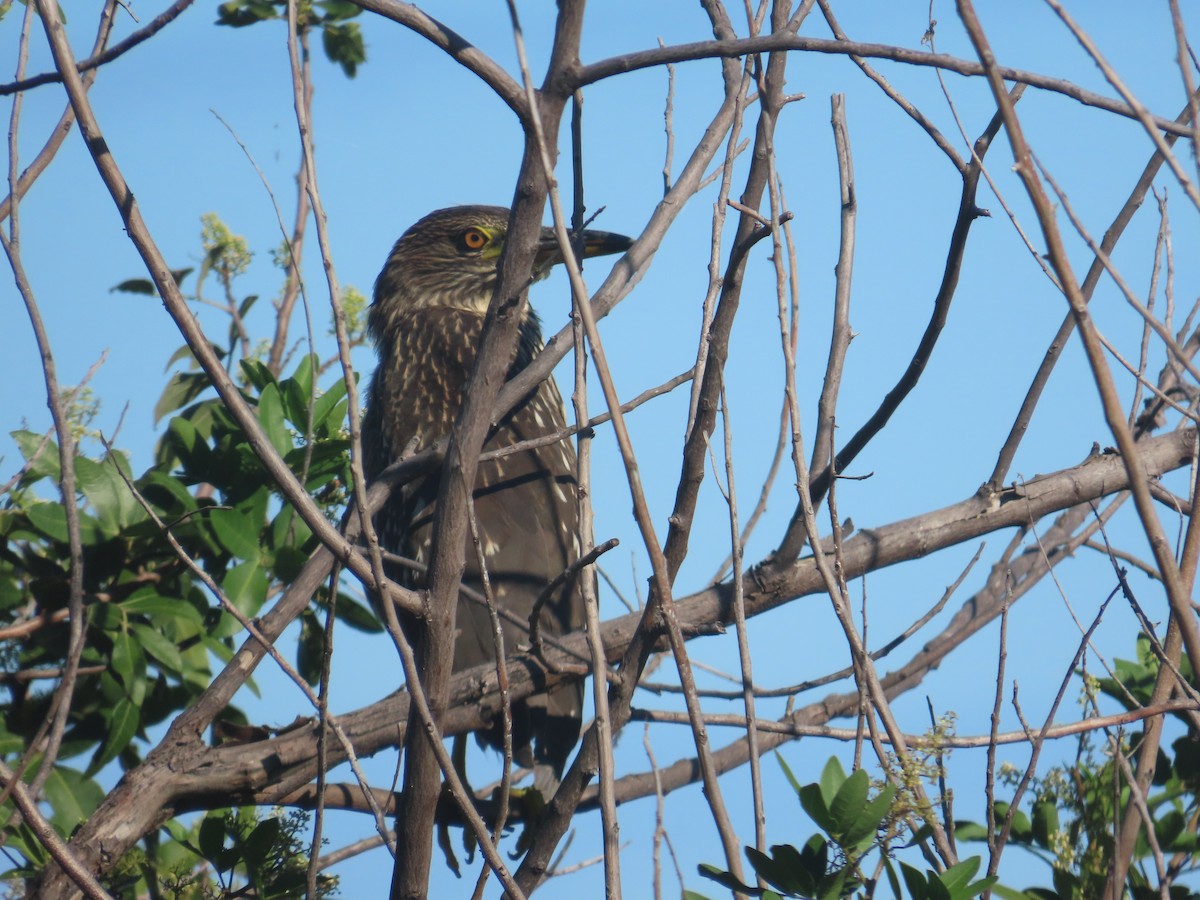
pixel 224 854
pixel 342 39
pixel 1073 807
pixel 853 822
pixel 151 623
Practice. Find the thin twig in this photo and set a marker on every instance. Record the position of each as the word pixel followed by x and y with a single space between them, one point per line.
pixel 1054 351
pixel 791 727
pixel 743 639
pixel 61 707
pixel 1177 593
pixel 989 791
pixel 504 791
pixel 97 58
pixel 784 40
pixel 587 538
pixel 251 629
pixel 49 838
pixel 842 333
pixel 968 212
pixel 1138 111
pixel 1138 800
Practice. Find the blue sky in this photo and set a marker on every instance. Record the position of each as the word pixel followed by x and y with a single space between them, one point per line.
pixel 415 132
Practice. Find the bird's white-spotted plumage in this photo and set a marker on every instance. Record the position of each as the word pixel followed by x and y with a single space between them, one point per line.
pixel 427 320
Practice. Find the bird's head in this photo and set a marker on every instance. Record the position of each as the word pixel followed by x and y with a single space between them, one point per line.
pixel 449 259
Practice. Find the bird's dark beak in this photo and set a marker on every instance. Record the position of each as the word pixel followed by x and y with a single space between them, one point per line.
pixel 595 243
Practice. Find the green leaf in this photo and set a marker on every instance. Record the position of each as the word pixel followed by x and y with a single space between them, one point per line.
pixel 1187 761
pixel 1045 822
pixel 832 778
pixel 73 797
pixel 135 286
pixel 915 881
pixel 344 45
pixel 211 839
pixel 766 868
pixel 107 491
pixel 937 890
pixel 182 389
pixel 240 13
pixel 9 744
pixel 154 643
pixel 1022 829
pixel 787 772
pixel 123 659
pixel 288 563
pixel 872 816
pixel 258 843
pixel 833 885
pixel 257 374
pixel 791 870
pixel 326 405
pixel 246 587
pixel 357 616
pixel 247 304
pixel 184 352
pixel 960 875
pixel 726 879
pixel 1067 884
pixel 237 532
pixel 311 649
pixel 123 721
pixel 1007 893
pixel 51 520
pixel 24 841
pixel 145 286
pixel 892 877
pixel 270 416
pixel 1169 827
pixel 849 802
pixel 813 802
pixel 146 601
pixel 298 392
pixel 338 9
pixel 155 481
pixel 185 440
pixel 970 831
pixel 43 457
pixel 184 432
pixel 975 888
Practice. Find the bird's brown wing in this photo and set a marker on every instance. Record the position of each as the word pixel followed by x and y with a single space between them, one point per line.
pixel 525 507
pixel 526 514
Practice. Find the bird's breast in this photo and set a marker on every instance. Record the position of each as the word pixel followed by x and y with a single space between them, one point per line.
pixel 420 381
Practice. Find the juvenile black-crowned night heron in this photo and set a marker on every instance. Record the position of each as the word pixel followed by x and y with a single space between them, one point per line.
pixel 427 320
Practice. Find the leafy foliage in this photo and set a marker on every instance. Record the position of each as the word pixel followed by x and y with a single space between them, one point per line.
pixel 1069 822
pixel 341 38
pixel 853 823
pixel 225 854
pixel 152 621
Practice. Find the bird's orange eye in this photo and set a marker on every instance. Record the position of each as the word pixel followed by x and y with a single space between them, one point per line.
pixel 474 239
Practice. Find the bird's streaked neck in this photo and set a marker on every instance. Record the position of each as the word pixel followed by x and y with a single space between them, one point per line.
pixel 387 316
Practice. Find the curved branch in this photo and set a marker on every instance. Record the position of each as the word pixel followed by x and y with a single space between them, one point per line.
pixel 661 56
pixel 157 24
pixel 968 212
pixel 457 47
pixel 1059 343
pixel 187 776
